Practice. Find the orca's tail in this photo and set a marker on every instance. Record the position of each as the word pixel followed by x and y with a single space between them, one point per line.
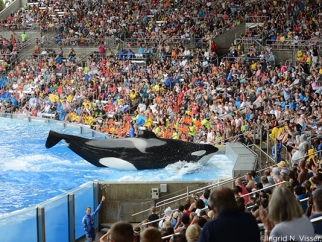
pixel 53 138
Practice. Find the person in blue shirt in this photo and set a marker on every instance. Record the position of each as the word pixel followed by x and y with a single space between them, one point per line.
pixel 319 147
pixel 88 222
pixel 131 133
pixel 58 59
pixel 141 49
pixel 292 104
pixel 300 195
pixel 276 150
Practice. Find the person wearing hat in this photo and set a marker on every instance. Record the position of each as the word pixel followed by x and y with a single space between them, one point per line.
pixel 282 166
pixel 173 218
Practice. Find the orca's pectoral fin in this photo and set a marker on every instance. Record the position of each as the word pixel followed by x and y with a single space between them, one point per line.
pixel 53 138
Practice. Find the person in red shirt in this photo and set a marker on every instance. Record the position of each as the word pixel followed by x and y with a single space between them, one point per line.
pixel 194 108
pixel 239 183
pixel 109 108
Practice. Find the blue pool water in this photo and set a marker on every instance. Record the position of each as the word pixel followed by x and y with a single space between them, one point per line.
pixel 31 174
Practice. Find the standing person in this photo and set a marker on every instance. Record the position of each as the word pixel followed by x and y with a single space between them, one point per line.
pixel 88 222
pixel 24 37
pixel 222 202
pixel 153 216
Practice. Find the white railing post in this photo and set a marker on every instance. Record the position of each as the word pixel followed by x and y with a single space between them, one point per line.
pixel 275 144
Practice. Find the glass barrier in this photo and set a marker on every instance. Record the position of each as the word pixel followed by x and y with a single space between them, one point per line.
pixel 84 197
pixel 19 226
pixel 56 219
pixel 23 223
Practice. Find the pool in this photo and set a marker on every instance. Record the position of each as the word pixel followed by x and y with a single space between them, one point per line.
pixel 31 174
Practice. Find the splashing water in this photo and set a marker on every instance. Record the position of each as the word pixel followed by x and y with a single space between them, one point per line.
pixel 31 174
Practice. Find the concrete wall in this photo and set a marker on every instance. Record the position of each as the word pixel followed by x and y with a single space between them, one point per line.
pixel 126 198
pixel 224 41
pixel 13 7
pixel 30 33
pixel 283 55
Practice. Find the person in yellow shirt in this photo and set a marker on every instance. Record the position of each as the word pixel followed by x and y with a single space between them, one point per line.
pixel 87 102
pixel 133 95
pixel 192 130
pixel 70 98
pixel 253 65
pixel 156 130
pixel 149 121
pixel 320 70
pixel 88 120
pixel 112 130
pixel 299 55
pixel 156 87
pixel 175 134
pixel 205 123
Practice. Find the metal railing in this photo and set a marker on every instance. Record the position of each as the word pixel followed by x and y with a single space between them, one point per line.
pixel 256 19
pixel 293 44
pixel 250 193
pixel 181 196
pixel 169 236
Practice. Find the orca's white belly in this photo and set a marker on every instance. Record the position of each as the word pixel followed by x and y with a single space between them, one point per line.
pixel 117 163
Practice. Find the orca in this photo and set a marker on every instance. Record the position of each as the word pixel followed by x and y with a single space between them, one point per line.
pixel 145 152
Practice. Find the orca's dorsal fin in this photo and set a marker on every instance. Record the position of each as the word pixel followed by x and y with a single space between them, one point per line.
pixel 146 134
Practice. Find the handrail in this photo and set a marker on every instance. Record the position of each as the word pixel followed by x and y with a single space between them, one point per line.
pixel 256 18
pixel 314 220
pixel 302 200
pixel 151 222
pixel 196 190
pixel 251 151
pixel 181 196
pixel 263 189
pixel 168 236
pixel 262 152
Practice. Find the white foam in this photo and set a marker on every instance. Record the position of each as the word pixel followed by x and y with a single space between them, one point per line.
pixel 35 163
pixel 183 167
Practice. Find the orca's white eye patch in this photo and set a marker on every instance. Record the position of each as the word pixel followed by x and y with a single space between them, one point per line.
pixel 198 153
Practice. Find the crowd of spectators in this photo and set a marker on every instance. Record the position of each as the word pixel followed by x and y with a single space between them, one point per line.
pixel 279 199
pixel 181 94
pixel 9 49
